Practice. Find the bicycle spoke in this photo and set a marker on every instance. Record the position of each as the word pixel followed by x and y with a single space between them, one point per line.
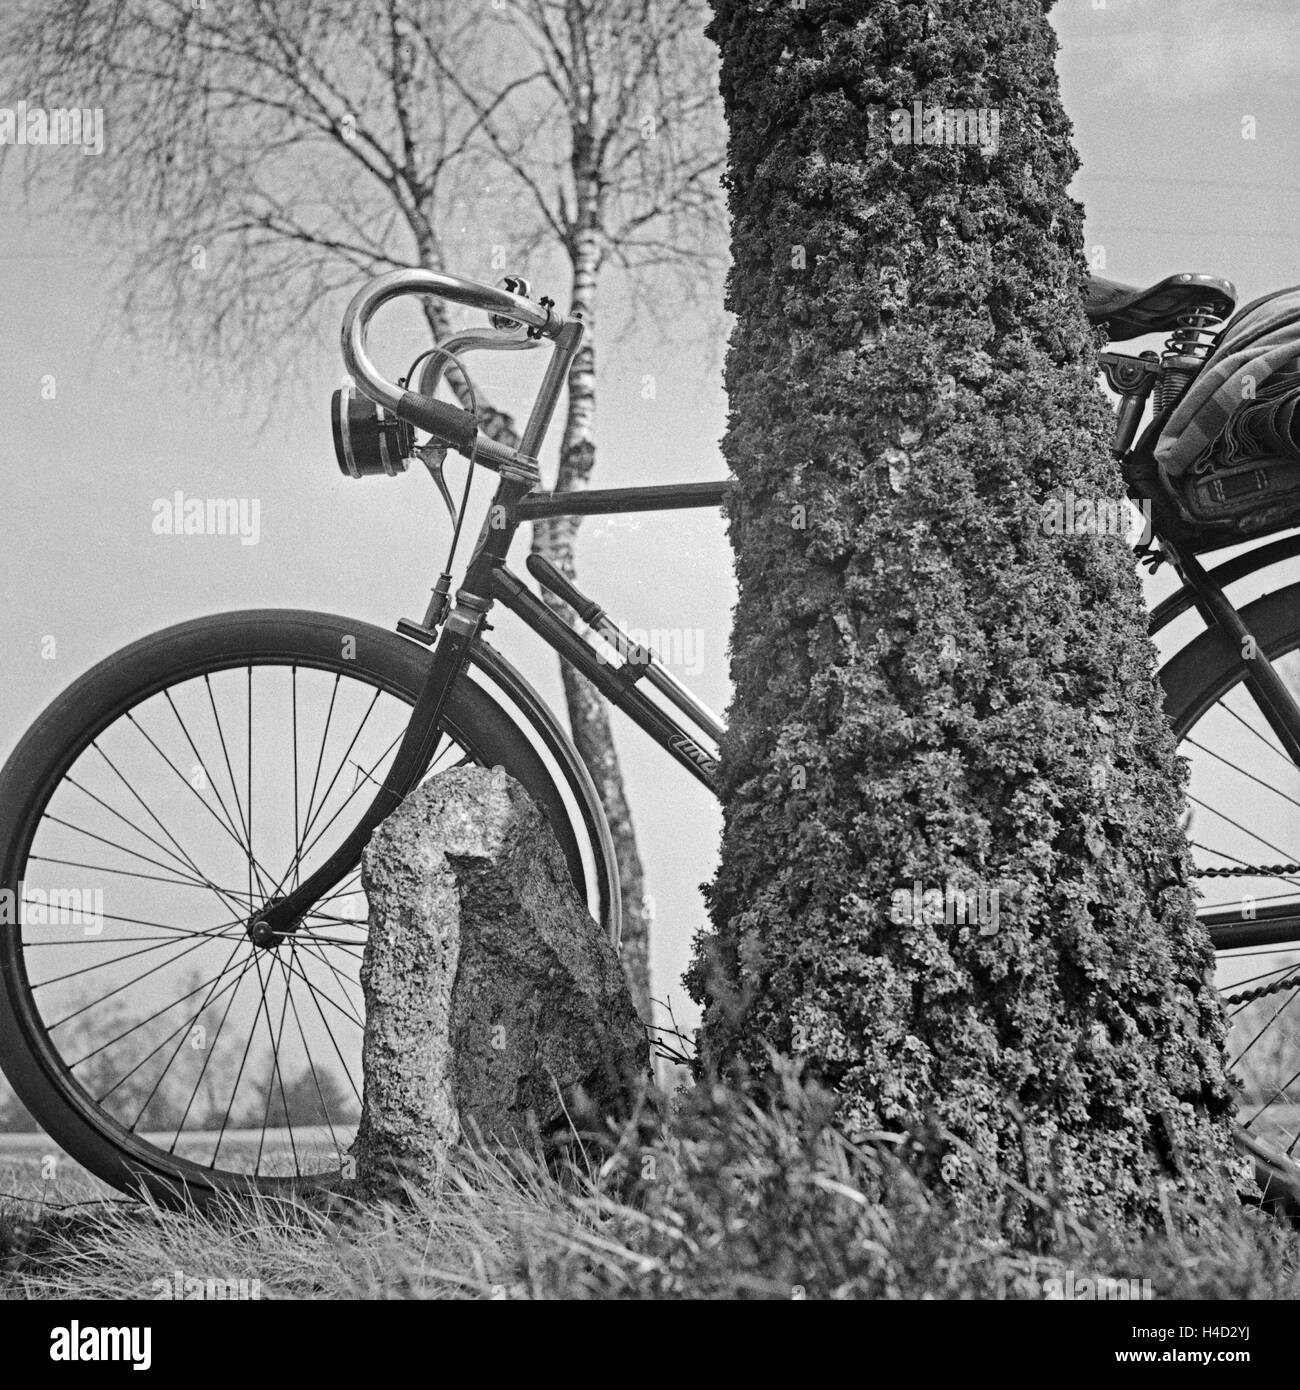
pixel 131 825
pixel 211 1050
pixel 207 806
pixel 1214 811
pixel 342 921
pixel 342 764
pixel 189 862
pixel 1245 864
pixel 320 757
pixel 301 853
pixel 325 1110
pixel 1252 980
pixel 1236 767
pixel 234 1088
pixel 198 883
pixel 347 802
pixel 350 948
pixel 230 772
pixel 308 943
pixel 107 941
pixel 180 1031
pixel 275 1072
pixel 318 992
pixel 143 1023
pixel 347 1071
pixel 162 926
pixel 112 993
pixel 1280 1095
pixel 208 777
pixel 121 873
pixel 1264 739
pixel 100 964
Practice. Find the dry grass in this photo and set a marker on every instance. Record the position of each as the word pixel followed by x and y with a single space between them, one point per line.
pixel 726 1199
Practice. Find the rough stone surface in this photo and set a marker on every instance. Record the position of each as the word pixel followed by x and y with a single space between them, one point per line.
pixel 493 1001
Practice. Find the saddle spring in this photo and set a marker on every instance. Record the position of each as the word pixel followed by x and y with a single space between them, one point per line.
pixel 1186 351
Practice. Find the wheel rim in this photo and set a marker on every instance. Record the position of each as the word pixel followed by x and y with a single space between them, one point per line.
pixel 1244 823
pixel 245 1064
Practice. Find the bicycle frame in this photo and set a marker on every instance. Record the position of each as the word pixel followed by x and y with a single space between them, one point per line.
pixel 618 685
pixel 488 580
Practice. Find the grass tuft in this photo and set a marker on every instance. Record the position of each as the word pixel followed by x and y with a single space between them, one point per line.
pixel 717 1196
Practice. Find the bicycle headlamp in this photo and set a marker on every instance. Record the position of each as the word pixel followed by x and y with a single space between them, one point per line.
pixel 368 440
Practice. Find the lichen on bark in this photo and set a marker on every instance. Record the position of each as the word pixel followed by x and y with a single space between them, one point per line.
pixel 929 687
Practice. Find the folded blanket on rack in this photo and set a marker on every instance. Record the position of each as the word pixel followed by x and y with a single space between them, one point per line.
pixel 1243 399
pixel 1264 427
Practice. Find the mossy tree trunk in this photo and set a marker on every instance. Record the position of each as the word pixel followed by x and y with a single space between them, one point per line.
pixel 930 689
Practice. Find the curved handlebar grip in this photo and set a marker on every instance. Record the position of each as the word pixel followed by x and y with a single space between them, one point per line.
pixel 368 300
pixel 449 423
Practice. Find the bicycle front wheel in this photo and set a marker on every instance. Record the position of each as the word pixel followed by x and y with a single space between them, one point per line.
pixel 162 800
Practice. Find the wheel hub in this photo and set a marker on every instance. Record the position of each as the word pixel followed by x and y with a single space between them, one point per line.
pixel 261 933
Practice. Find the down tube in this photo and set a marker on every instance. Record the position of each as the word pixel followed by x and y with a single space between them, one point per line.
pixel 666 732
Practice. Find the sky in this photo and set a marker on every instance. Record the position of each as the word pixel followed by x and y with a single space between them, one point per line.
pixel 1186 123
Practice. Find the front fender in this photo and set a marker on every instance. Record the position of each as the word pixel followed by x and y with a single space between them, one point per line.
pixel 537 718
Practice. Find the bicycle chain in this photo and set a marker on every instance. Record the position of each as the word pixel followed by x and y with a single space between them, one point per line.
pixel 1256 871
pixel 1251 871
pixel 1248 996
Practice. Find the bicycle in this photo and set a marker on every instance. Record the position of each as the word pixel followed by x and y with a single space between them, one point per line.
pixel 237 860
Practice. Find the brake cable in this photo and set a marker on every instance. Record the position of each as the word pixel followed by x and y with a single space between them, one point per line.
pixel 433 456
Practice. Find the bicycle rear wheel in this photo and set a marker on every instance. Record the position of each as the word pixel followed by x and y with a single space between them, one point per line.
pixel 1244 793
pixel 160 801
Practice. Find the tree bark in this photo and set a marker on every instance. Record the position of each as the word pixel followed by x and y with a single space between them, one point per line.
pixel 931 693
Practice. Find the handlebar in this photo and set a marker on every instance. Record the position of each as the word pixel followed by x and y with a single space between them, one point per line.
pixel 449 423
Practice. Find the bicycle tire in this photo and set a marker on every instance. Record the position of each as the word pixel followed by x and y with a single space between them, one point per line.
pixel 1196 678
pixel 103 695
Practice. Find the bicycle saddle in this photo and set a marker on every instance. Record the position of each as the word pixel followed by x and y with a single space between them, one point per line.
pixel 1129 312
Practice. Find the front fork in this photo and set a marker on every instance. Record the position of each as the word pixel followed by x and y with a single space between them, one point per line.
pixel 450 657
pixel 282 916
pixel 519 477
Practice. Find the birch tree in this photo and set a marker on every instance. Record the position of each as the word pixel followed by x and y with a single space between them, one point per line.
pixel 265 157
pixel 634 183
